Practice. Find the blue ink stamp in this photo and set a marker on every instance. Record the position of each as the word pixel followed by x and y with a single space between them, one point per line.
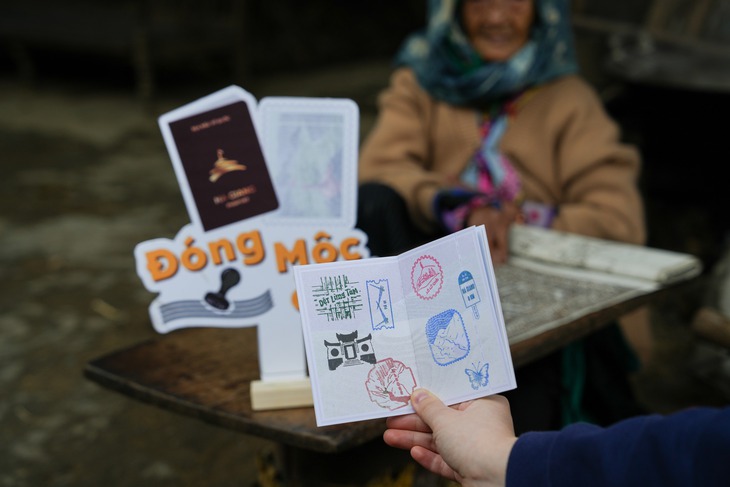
pixel 469 292
pixel 478 376
pixel 381 314
pixel 447 337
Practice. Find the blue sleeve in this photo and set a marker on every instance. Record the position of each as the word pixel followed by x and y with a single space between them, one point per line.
pixel 687 448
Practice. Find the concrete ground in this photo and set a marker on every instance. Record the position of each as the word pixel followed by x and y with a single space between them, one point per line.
pixel 86 176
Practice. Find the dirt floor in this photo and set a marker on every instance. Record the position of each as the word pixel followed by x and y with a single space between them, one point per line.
pixel 85 176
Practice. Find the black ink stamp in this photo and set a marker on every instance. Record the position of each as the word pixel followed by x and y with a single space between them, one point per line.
pixel 349 350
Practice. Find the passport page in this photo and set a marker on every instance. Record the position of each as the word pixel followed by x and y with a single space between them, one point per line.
pixel 378 328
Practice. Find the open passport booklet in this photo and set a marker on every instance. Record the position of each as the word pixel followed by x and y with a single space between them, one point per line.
pixel 377 329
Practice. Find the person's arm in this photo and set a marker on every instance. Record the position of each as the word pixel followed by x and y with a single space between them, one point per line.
pixel 474 443
pixel 687 448
pixel 396 150
pixel 497 222
pixel 691 447
pixel 600 175
pixel 570 156
pixel 417 146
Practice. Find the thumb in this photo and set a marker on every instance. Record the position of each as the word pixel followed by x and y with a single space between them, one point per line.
pixel 428 407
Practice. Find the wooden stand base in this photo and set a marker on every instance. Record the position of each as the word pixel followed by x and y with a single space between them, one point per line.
pixel 280 394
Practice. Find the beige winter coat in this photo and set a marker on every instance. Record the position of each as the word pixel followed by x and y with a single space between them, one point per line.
pixel 564 146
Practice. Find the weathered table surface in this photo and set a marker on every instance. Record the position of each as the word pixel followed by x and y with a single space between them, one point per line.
pixel 206 373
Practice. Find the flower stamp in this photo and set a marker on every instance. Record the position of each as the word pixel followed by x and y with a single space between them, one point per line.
pixel 390 384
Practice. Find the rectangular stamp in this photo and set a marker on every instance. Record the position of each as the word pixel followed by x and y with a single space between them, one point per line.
pixel 337 298
pixel 381 313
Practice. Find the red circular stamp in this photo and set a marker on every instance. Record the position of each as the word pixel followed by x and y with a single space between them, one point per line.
pixel 427 277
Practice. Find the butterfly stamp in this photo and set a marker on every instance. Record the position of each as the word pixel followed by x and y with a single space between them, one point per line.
pixel 478 375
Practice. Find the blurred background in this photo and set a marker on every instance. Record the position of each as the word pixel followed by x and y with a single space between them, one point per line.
pixel 86 176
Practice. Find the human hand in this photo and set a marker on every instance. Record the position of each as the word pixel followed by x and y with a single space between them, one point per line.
pixel 497 222
pixel 469 442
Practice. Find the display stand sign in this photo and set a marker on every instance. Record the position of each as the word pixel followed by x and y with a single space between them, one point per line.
pixel 267 186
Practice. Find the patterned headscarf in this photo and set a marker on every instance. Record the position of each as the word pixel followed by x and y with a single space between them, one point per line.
pixel 448 67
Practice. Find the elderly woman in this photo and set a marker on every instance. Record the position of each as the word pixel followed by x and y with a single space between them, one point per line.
pixel 486 122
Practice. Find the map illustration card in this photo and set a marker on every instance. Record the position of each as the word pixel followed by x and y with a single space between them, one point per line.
pixel 312 151
pixel 219 161
pixel 376 329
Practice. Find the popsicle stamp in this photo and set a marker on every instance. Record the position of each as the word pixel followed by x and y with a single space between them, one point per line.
pixel 469 292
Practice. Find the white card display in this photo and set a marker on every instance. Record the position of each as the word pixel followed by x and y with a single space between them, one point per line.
pixel 268 185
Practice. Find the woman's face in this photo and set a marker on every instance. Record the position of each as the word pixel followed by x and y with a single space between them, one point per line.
pixel 497 29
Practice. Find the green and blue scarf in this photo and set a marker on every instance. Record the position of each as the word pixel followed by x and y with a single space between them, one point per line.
pixel 449 68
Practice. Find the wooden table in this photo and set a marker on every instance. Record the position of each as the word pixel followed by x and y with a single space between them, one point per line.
pixel 206 373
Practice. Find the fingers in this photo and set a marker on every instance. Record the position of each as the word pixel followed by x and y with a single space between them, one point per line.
pixel 499 253
pixel 433 462
pixel 418 439
pixel 500 247
pixel 460 442
pixel 496 251
pixel 407 422
pixel 412 429
pixel 405 439
pixel 501 238
pixel 496 223
pixel 429 407
pixel 499 399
